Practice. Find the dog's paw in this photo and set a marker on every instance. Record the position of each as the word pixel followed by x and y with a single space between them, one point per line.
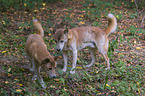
pixel 87 66
pixel 43 85
pixel 31 69
pixel 72 72
pixel 34 77
pixel 64 69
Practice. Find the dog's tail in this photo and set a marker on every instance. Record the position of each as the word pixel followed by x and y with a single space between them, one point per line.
pixel 112 24
pixel 38 27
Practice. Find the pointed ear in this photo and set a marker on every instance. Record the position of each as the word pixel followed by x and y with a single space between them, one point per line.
pixel 53 29
pixel 66 31
pixel 45 61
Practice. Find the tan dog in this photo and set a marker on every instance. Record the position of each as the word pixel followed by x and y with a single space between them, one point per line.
pixel 37 53
pixel 78 38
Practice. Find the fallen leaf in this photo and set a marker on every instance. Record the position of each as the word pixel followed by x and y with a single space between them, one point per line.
pixel 138 47
pixel 19 90
pixel 81 22
pixel 4 51
pixel 79 68
pixel 52 86
pixel 9 69
pixel 6 82
pixel 44 4
pixel 56 79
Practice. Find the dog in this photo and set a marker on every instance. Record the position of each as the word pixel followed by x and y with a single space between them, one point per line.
pixel 76 39
pixel 38 54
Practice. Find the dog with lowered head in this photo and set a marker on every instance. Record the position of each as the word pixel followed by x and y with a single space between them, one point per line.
pixel 38 54
pixel 76 39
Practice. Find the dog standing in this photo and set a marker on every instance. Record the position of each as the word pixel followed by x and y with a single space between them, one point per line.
pixel 37 53
pixel 76 39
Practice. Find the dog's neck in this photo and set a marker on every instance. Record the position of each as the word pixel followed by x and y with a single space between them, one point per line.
pixel 65 47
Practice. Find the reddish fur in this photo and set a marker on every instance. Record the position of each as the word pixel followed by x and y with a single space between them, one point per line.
pixel 77 37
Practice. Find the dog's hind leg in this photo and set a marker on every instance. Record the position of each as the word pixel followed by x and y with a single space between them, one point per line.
pixel 103 51
pixel 32 69
pixel 107 59
pixel 93 54
pixel 65 60
pixel 31 66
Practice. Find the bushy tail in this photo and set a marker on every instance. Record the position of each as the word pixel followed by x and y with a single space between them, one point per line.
pixel 38 27
pixel 112 24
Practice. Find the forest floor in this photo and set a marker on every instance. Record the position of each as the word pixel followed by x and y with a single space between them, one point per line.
pixel 126 51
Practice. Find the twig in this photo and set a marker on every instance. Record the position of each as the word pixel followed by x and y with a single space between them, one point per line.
pixel 141 11
pixel 137 12
pixel 142 21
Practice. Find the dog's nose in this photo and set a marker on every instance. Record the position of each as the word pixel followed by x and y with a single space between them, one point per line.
pixel 54 77
pixel 58 49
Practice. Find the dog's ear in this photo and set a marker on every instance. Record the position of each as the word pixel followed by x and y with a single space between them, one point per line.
pixel 66 31
pixel 53 30
pixel 45 61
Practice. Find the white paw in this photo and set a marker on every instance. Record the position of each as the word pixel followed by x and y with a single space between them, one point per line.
pixel 31 69
pixel 34 77
pixel 87 65
pixel 72 72
pixel 64 69
pixel 43 85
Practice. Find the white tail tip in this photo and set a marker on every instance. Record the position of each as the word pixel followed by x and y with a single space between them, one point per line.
pixel 34 20
pixel 110 15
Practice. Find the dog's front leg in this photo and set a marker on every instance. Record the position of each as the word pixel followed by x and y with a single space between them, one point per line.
pixel 65 60
pixel 74 61
pixel 37 72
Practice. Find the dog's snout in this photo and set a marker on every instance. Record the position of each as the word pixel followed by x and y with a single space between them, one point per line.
pixel 53 76
pixel 58 49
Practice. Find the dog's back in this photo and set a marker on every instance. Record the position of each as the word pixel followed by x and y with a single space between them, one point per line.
pixel 33 40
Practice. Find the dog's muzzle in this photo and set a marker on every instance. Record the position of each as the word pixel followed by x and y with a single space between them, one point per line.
pixel 58 49
pixel 53 76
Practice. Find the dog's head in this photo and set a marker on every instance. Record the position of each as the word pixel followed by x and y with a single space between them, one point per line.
pixel 60 38
pixel 49 65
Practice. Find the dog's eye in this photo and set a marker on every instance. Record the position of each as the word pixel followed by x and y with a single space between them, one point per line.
pixel 55 40
pixel 61 41
pixel 50 68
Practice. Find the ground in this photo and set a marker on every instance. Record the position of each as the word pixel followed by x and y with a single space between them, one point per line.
pixel 126 51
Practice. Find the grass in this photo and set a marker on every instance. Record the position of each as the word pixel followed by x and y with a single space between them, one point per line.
pixel 126 52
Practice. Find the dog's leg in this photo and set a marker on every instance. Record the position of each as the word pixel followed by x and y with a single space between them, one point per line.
pixel 107 59
pixel 65 60
pixel 32 69
pixel 74 61
pixel 37 72
pixel 31 66
pixel 103 51
pixel 93 53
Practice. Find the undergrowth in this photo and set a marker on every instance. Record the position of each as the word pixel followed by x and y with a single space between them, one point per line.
pixel 126 76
